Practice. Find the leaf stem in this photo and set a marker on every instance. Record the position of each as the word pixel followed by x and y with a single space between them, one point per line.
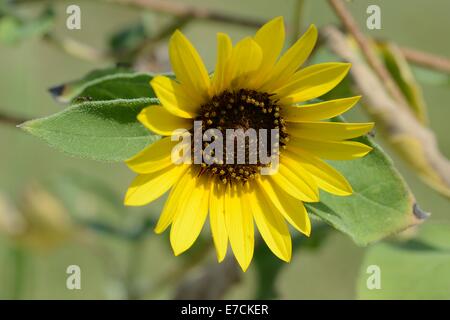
pixel 11 120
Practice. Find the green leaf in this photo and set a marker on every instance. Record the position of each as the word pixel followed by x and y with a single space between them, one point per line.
pixel 414 269
pixel 401 72
pixel 381 203
pixel 107 84
pixel 128 39
pixel 14 29
pixel 9 30
pixel 102 124
pixel 99 130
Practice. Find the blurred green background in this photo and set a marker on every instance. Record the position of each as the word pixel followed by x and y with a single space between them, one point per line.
pixel 28 69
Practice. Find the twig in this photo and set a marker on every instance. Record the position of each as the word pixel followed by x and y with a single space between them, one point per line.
pixel 189 12
pixel 422 58
pixel 367 49
pixel 11 120
pixel 426 59
pixel 184 11
pixel 132 235
pixel 211 282
pixel 174 275
pixel 145 57
pixel 414 142
pixel 77 49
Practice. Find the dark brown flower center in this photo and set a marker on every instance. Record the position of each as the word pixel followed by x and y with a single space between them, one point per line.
pixel 246 110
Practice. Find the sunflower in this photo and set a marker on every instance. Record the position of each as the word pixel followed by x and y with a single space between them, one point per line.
pixel 253 86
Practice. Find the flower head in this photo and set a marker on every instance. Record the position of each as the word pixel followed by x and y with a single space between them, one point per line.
pixel 253 87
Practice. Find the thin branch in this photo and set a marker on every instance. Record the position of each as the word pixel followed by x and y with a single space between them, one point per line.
pixel 211 282
pixel 422 58
pixel 174 275
pixel 11 120
pixel 413 141
pixel 76 49
pixel 426 59
pixel 144 57
pixel 367 49
pixel 133 235
pixel 186 11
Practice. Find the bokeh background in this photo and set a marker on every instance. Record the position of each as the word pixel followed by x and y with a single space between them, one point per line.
pixel 50 185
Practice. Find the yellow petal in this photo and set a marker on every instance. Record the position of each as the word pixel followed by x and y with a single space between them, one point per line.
pixel 153 158
pixel 244 62
pixel 221 78
pixel 332 150
pixel 327 178
pixel 271 226
pixel 173 98
pixel 297 183
pixel 147 187
pixel 190 217
pixel 188 66
pixel 160 121
pixel 291 208
pixel 179 194
pixel 328 130
pixel 318 111
pixel 239 224
pixel 291 60
pixel 217 219
pixel 270 38
pixel 312 82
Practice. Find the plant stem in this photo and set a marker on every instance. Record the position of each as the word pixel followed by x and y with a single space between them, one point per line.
pixel 134 261
pixel 182 10
pixel 426 59
pixel 77 49
pixel 11 120
pixel 367 50
pixel 19 263
pixel 174 275
pixel 297 20
pixel 396 122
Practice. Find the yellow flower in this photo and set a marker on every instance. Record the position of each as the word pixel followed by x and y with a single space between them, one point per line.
pixel 252 87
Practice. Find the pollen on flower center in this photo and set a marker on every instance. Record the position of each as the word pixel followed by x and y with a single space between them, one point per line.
pixel 241 109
